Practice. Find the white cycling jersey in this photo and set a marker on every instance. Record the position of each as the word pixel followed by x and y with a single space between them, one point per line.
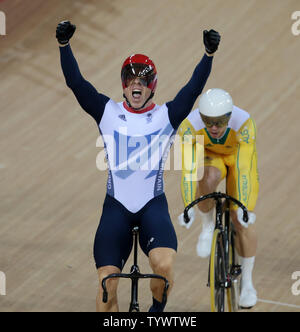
pixel 137 145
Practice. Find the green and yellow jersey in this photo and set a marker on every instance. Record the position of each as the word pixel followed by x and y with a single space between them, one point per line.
pixel 234 154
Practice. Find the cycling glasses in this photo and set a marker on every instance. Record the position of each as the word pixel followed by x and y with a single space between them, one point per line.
pixel 219 121
pixel 145 73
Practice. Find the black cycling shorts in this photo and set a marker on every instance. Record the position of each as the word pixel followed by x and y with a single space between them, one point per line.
pixel 114 239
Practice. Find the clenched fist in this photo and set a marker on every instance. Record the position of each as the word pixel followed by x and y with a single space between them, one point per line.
pixel 211 40
pixel 64 32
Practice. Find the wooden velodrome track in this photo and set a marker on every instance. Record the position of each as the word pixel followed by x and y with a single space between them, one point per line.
pixel 52 192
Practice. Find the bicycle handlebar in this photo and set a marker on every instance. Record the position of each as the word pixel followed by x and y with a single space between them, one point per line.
pixel 216 196
pixel 134 275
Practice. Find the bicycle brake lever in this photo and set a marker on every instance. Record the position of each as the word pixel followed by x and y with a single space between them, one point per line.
pixel 104 297
pixel 186 217
pixel 164 297
pixel 245 216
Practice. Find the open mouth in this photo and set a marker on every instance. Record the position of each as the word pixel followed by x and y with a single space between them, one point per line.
pixel 136 94
pixel 213 134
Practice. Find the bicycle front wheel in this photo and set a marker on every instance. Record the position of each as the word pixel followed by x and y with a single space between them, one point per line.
pixel 217 273
pixel 235 276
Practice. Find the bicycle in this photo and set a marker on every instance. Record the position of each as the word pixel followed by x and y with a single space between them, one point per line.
pixel 224 270
pixel 134 275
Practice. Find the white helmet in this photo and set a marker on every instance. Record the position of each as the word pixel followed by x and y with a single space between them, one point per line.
pixel 215 102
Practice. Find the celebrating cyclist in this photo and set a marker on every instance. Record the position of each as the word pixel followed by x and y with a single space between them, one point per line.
pixel 137 135
pixel 229 150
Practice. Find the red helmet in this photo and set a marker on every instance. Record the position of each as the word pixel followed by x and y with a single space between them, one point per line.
pixel 139 65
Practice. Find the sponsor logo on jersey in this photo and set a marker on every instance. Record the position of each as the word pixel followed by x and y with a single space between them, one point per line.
pixel 149 117
pixel 122 117
pixel 245 135
pixel 244 188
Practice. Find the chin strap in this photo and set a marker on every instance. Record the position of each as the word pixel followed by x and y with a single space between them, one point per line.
pixel 137 109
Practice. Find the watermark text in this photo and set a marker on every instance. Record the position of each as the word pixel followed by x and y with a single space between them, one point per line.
pixel 2 24
pixel 2 283
pixel 296 25
pixel 296 285
pixel 125 154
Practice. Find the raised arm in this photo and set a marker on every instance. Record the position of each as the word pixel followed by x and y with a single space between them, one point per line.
pixel 183 103
pixel 88 97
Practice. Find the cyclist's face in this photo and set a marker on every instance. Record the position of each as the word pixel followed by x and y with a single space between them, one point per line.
pixel 216 126
pixel 216 132
pixel 137 93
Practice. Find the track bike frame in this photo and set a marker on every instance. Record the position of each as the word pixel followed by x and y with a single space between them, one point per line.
pixel 223 269
pixel 134 275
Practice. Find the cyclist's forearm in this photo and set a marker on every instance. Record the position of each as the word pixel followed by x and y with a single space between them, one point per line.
pixel 246 174
pixel 246 165
pixel 189 173
pixel 86 94
pixel 183 103
pixel 189 161
pixel 69 66
pixel 188 189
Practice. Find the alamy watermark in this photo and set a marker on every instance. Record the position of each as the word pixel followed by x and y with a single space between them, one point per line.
pixel 296 285
pixel 2 24
pixel 296 25
pixel 2 283
pixel 126 154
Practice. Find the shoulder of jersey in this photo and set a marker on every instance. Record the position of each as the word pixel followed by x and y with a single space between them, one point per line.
pixel 195 120
pixel 238 118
